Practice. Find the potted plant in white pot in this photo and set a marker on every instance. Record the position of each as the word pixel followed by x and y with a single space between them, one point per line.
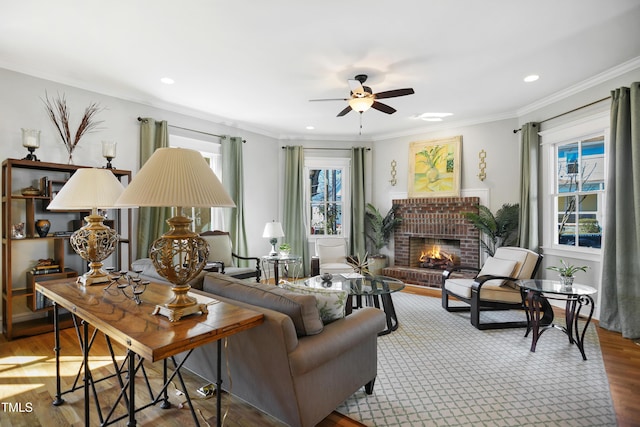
pixel 379 230
pixel 567 272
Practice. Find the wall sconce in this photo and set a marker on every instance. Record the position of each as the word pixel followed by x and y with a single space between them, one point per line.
pixel 393 179
pixel 482 155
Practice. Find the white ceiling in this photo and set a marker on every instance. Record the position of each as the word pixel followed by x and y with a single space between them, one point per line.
pixel 256 64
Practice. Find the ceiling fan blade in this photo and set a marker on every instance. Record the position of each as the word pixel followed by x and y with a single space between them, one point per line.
pixel 394 93
pixel 345 111
pixel 355 86
pixel 383 107
pixel 329 99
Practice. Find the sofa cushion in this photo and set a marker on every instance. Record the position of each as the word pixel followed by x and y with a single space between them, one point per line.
pixel 302 309
pixel 330 302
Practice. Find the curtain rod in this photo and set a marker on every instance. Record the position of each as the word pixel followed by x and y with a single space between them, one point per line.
pixel 568 112
pixel 196 131
pixel 327 148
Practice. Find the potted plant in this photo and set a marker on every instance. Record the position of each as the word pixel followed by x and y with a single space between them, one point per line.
pixel 567 272
pixel 500 229
pixel 379 230
pixel 284 249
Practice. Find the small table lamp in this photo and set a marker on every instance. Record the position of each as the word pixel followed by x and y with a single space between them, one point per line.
pixel 178 178
pixel 91 189
pixel 273 230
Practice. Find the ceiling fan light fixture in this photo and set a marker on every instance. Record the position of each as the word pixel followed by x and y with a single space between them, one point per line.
pixel 360 104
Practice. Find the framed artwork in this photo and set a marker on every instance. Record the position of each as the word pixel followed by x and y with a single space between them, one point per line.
pixel 434 168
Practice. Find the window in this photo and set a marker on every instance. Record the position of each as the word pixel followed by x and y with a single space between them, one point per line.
pixel 204 219
pixel 579 192
pixel 574 163
pixel 327 195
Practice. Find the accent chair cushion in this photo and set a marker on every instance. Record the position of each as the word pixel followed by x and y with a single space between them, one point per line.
pixel 302 309
pixel 491 290
pixel 497 267
pixel 330 302
pixel 525 259
pixel 220 249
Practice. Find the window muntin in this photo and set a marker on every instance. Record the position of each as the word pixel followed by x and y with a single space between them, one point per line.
pixel 579 192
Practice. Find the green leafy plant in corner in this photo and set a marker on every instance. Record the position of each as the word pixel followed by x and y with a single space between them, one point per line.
pixel 379 228
pixel 567 270
pixel 500 229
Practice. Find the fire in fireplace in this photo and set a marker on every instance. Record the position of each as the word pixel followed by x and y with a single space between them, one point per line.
pixel 437 258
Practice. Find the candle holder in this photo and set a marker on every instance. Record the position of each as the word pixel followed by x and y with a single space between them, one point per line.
pixel 109 152
pixel 31 141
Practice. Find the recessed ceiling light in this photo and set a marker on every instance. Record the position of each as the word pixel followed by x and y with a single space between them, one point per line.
pixel 167 80
pixel 531 78
pixel 310 127
pixel 432 117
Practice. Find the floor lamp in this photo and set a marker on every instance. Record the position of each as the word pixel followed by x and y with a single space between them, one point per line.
pixel 91 189
pixel 177 178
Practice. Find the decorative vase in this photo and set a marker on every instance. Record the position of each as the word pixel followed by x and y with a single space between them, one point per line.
pixel 42 227
pixel 433 174
pixel 567 281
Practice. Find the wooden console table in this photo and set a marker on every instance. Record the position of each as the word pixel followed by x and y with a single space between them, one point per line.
pixel 145 336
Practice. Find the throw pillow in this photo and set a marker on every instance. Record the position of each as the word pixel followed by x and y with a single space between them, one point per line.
pixel 330 302
pixel 498 267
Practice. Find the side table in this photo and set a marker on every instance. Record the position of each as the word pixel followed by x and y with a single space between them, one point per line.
pixel 289 262
pixel 576 296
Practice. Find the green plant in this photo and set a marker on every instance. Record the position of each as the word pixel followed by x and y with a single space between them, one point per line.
pixel 567 270
pixel 500 229
pixel 431 156
pixel 284 247
pixel 379 228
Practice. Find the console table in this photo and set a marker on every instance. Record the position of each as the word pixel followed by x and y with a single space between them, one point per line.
pixel 144 335
pixel 576 296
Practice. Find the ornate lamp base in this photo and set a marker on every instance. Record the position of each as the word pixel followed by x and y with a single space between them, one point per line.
pixel 175 314
pixel 94 243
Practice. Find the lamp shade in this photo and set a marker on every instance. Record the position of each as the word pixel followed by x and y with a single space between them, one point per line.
pixel 175 177
pixel 88 188
pixel 361 104
pixel 273 230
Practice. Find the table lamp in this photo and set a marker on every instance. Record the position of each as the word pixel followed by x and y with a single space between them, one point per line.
pixel 91 189
pixel 273 230
pixel 177 178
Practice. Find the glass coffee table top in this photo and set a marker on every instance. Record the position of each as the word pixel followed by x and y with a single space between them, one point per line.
pixel 357 284
pixel 555 287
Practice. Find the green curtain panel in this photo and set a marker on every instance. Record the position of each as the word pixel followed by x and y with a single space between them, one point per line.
pixel 233 182
pixel 357 234
pixel 620 307
pixel 529 232
pixel 151 221
pixel 293 218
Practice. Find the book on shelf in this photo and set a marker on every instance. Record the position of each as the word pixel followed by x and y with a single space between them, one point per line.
pixel 46 269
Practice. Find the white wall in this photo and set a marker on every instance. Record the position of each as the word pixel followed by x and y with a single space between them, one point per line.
pixel 21 107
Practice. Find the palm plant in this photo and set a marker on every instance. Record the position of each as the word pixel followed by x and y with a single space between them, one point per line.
pixel 500 229
pixel 379 228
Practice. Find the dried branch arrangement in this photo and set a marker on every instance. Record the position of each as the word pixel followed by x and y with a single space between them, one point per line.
pixel 59 114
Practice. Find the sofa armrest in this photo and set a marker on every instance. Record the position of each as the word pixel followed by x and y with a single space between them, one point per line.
pixel 337 338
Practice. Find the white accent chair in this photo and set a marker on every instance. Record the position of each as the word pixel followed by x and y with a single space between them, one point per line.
pixel 331 257
pixel 493 286
pixel 224 260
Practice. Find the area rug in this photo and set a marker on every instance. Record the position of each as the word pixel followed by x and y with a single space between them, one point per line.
pixel 438 370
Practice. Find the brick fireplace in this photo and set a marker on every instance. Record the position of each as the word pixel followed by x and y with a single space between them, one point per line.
pixel 433 222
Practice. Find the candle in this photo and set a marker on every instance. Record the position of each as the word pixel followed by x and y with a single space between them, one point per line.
pixel 109 149
pixel 30 138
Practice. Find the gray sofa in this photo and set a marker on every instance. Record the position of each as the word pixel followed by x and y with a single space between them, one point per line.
pixel 292 366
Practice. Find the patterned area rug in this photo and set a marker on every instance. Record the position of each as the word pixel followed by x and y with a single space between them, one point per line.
pixel 438 370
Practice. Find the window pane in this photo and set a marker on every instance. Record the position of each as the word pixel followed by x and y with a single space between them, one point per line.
pixel 334 219
pixel 317 219
pixel 592 171
pixel 589 230
pixel 567 163
pixel 566 220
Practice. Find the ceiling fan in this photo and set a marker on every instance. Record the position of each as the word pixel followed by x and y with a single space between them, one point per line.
pixel 362 98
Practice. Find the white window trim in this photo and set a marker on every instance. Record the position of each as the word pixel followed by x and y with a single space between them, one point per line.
pixel 582 128
pixel 343 163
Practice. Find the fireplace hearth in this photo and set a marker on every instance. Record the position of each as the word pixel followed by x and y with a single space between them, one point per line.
pixel 428 224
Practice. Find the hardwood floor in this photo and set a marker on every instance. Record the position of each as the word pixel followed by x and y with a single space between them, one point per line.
pixel 27 386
